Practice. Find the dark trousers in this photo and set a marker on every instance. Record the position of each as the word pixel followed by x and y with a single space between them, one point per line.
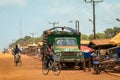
pixel 49 58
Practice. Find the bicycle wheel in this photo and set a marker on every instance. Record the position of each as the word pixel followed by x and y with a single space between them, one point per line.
pixel 18 61
pixel 45 70
pixel 56 68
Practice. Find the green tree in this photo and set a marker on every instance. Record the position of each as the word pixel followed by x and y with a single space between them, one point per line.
pixel 91 37
pixel 116 30
pixel 26 40
pixel 84 37
pixel 109 32
pixel 100 36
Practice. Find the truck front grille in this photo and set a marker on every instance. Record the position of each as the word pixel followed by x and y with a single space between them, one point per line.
pixel 69 54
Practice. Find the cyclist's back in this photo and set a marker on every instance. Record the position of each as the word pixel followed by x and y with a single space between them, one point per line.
pixel 16 52
pixel 49 53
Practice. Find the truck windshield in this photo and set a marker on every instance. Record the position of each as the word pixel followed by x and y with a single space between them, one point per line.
pixel 66 42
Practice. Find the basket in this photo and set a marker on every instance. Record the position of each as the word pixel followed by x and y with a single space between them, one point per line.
pixel 56 57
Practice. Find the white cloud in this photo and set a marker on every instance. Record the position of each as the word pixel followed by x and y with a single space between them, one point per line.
pixel 110 10
pixel 12 2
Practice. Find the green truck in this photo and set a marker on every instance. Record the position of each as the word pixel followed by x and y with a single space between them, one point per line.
pixel 66 44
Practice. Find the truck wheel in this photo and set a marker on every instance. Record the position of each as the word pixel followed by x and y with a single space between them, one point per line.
pixel 81 66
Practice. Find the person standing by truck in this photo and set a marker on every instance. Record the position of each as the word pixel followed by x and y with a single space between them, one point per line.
pixel 118 53
pixel 107 56
pixel 96 62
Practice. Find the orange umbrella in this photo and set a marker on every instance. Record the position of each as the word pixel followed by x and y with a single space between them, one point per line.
pixel 86 48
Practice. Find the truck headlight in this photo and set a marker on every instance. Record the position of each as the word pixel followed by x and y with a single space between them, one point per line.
pixel 80 54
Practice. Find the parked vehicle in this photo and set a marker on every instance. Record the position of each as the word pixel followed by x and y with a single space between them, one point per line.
pixel 66 43
pixel 97 68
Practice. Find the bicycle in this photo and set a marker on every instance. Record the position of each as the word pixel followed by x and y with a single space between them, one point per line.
pixel 18 61
pixel 54 65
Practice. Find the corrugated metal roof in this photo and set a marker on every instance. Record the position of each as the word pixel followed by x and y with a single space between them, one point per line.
pixel 32 45
pixel 24 46
pixel 101 41
pixel 101 44
pixel 40 43
pixel 85 41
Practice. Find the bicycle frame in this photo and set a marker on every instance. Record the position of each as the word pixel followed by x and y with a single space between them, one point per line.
pixel 52 65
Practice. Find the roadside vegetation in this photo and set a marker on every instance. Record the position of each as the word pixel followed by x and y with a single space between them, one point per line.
pixel 108 33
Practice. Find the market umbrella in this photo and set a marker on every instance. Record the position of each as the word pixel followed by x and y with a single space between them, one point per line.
pixel 86 48
pixel 116 39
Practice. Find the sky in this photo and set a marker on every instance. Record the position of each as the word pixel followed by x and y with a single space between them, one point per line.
pixel 20 18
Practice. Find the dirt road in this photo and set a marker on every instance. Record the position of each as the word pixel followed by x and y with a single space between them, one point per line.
pixel 31 70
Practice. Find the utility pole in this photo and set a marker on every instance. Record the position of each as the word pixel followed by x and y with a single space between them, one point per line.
pixel 94 17
pixel 76 25
pixel 54 23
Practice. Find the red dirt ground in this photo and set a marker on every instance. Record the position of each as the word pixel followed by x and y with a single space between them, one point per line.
pixel 31 70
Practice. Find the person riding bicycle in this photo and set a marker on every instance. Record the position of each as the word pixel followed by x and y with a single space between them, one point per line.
pixel 16 53
pixel 49 52
pixel 49 63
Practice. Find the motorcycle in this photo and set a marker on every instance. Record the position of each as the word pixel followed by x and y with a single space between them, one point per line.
pixel 96 67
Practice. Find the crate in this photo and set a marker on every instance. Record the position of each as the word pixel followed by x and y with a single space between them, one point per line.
pixel 56 57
